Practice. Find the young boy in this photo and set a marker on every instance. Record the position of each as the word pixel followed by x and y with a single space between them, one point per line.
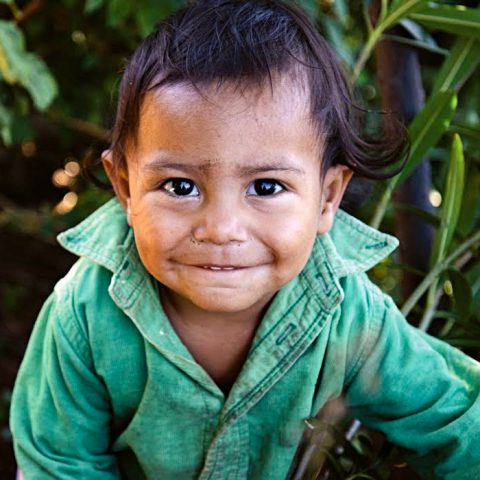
pixel 222 299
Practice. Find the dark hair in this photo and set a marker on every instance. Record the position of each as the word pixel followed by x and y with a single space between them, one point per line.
pixel 246 42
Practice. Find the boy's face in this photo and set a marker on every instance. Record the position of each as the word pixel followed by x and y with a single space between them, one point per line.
pixel 224 194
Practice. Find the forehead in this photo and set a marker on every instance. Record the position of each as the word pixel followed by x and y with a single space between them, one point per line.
pixel 233 98
pixel 227 122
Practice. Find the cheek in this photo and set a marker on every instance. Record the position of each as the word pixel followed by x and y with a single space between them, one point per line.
pixel 154 236
pixel 293 245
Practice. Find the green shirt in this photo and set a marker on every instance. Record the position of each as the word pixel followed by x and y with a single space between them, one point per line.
pixel 107 389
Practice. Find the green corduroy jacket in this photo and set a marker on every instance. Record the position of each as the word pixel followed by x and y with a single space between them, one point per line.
pixel 107 390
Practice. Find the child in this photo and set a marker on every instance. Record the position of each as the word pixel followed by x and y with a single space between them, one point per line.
pixel 222 299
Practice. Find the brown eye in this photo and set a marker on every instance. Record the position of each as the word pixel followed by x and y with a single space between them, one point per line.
pixel 181 187
pixel 264 187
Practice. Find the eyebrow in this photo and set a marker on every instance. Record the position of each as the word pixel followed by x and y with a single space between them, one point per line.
pixel 161 164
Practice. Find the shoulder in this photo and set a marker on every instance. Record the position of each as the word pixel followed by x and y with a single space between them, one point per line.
pixel 363 297
pixel 84 287
pixel 361 317
pixel 78 299
pixel 82 310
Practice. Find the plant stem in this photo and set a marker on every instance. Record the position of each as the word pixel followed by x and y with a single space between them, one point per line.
pixel 16 12
pixel 367 20
pixel 432 275
pixel 30 9
pixel 383 11
pixel 365 54
pixel 381 208
pixel 430 306
pixel 87 128
pixel 446 328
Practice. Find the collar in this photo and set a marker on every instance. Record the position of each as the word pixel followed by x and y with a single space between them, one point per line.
pixel 103 237
pixel 350 247
pixel 353 247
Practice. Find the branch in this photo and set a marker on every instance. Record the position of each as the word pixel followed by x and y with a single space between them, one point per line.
pixel 87 128
pixel 30 9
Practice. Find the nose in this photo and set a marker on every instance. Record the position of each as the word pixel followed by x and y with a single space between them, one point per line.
pixel 220 222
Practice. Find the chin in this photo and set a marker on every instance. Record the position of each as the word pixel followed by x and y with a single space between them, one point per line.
pixel 226 306
pixel 228 303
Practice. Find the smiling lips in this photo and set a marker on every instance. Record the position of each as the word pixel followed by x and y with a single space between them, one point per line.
pixel 221 268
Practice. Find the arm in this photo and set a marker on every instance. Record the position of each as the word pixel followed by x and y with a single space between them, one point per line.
pixel 424 394
pixel 60 413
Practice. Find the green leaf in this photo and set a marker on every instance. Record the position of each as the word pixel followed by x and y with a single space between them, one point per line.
pixel 454 19
pixel 39 82
pixel 335 35
pixel 459 65
pixel 462 293
pixel 398 10
pixel 424 132
pixel 452 202
pixel 470 210
pixel 6 125
pixel 472 242
pixel 464 342
pixel 474 279
pixel 415 43
pixel 473 276
pixel 341 10
pixel 19 67
pixel 465 131
pixel 447 315
pixel 418 32
pixel 426 129
pixel 21 128
pixel 11 41
pixel 429 217
pixel 311 7
pixel 420 38
pixel 92 5
pixel 118 11
pixel 149 15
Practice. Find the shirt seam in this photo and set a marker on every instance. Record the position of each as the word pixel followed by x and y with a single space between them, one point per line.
pixel 278 322
pixel 283 364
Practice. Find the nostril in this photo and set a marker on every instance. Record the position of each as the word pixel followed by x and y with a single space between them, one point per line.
pixel 220 226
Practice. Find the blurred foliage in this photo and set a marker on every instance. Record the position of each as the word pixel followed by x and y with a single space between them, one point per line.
pixel 59 69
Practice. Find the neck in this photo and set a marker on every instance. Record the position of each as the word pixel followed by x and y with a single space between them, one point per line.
pixel 189 316
pixel 218 341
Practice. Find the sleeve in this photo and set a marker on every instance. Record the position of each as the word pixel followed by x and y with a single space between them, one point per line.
pixel 60 415
pixel 422 393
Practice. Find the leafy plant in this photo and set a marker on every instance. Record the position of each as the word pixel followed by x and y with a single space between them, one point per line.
pixel 452 285
pixel 58 69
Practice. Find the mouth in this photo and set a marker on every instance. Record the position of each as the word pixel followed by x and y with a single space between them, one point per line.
pixel 221 268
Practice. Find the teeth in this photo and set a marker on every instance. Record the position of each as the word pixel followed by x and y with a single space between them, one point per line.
pixel 219 268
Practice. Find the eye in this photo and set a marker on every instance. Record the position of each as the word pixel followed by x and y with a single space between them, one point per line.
pixel 180 187
pixel 264 187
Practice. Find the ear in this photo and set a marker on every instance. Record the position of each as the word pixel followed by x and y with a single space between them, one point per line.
pixel 333 187
pixel 119 180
